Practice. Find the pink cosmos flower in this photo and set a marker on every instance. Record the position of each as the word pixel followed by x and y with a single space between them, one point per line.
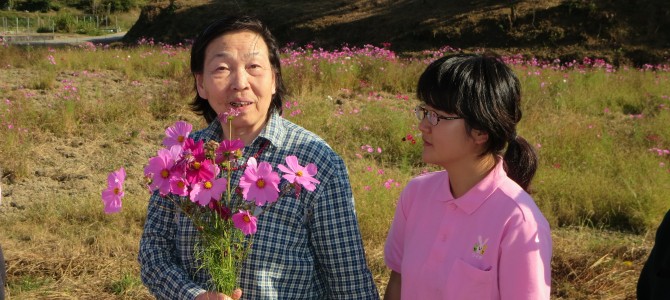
pixel 177 134
pixel 245 222
pixel 160 171
pixel 179 186
pixel 205 191
pixel 298 174
pixel 259 183
pixel 111 197
pixel 227 150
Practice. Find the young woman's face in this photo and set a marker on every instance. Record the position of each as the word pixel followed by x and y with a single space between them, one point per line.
pixel 448 142
pixel 237 74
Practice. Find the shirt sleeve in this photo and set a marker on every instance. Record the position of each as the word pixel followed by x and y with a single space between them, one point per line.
pixel 337 240
pixel 393 250
pixel 160 269
pixel 525 260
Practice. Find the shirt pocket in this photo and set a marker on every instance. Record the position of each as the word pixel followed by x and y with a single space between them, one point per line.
pixel 465 281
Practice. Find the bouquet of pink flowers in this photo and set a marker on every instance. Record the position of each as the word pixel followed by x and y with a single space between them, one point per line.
pixel 196 177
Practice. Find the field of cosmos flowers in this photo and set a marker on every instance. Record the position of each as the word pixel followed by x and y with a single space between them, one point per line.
pixel 71 115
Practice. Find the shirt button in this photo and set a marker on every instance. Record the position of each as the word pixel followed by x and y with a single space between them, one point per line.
pixel 452 206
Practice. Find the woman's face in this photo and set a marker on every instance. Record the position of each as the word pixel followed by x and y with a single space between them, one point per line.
pixel 448 143
pixel 237 74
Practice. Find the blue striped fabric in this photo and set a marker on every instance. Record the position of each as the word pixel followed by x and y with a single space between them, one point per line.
pixel 306 248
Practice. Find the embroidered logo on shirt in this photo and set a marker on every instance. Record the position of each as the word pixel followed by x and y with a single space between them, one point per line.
pixel 480 247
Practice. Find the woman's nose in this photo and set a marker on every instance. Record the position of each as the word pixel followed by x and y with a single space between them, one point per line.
pixel 424 125
pixel 240 80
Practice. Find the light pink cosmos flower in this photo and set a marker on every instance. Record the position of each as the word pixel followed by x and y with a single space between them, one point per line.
pixel 259 183
pixel 228 116
pixel 206 191
pixel 160 171
pixel 111 197
pixel 245 222
pixel 177 134
pixel 298 174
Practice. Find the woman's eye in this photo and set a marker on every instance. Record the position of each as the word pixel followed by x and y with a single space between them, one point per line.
pixel 255 69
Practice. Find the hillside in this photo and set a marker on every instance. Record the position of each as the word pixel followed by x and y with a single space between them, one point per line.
pixel 621 31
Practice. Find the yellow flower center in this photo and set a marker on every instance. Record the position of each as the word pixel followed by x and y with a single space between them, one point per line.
pixel 180 184
pixel 260 183
pixel 208 185
pixel 180 138
pixel 246 219
pixel 299 173
pixel 117 191
pixel 165 173
pixel 196 165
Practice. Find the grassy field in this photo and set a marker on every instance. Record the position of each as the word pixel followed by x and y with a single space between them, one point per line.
pixel 68 116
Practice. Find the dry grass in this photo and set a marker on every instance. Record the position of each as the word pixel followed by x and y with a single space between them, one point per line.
pixel 59 244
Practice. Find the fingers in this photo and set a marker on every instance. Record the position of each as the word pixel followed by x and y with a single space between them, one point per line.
pixel 237 294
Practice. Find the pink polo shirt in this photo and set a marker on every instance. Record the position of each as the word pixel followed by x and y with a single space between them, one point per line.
pixel 491 243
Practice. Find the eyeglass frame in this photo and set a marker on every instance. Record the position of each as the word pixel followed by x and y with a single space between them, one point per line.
pixel 421 112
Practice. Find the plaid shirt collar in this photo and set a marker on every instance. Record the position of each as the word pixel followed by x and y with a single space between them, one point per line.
pixel 274 131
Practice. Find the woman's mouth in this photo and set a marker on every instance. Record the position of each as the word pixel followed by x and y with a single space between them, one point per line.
pixel 240 104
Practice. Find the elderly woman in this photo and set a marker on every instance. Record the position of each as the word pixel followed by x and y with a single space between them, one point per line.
pixel 307 246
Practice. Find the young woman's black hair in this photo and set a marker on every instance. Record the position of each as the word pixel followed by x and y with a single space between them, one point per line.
pixel 485 92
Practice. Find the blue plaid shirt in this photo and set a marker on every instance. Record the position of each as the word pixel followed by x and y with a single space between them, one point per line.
pixel 305 248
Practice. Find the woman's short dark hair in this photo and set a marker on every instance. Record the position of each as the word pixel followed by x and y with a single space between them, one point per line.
pixel 485 92
pixel 228 25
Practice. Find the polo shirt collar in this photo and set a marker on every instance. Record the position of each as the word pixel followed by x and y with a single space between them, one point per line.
pixel 476 196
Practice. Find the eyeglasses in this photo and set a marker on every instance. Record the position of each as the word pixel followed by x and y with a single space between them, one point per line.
pixel 433 117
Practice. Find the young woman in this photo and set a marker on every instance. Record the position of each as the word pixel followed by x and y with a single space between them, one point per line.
pixel 470 231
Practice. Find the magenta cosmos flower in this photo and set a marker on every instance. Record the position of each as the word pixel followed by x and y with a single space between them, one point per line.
pixel 159 170
pixel 177 134
pixel 111 196
pixel 259 183
pixel 228 150
pixel 198 171
pixel 193 151
pixel 245 222
pixel 220 209
pixel 297 174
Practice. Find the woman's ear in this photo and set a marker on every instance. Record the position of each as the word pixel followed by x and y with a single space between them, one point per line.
pixel 480 137
pixel 200 85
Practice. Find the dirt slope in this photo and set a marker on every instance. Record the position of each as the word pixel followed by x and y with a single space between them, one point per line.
pixel 621 31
